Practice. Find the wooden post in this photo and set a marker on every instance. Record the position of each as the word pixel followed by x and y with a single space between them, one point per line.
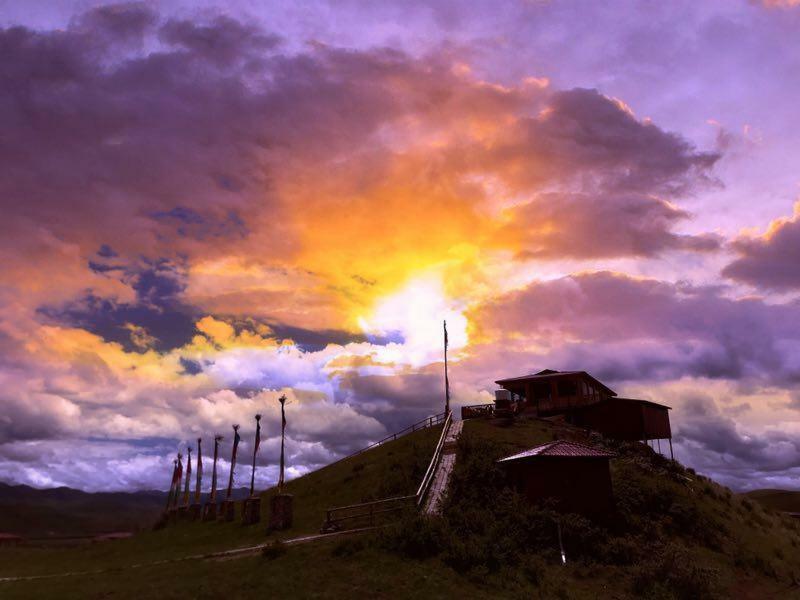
pixel 671 455
pixel 659 445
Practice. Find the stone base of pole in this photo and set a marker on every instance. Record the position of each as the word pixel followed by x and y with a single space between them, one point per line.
pixel 194 512
pixel 280 512
pixel 227 510
pixel 210 511
pixel 251 510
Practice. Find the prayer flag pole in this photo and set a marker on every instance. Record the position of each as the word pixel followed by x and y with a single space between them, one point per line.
pixel 172 482
pixel 236 438
pixel 255 450
pixel 446 379
pixel 178 478
pixel 251 507
pixel 228 507
pixel 199 472
pixel 188 476
pixel 210 507
pixel 282 400
pixel 280 508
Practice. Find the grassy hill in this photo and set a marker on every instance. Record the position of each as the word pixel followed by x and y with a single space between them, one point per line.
pixel 674 534
pixel 781 500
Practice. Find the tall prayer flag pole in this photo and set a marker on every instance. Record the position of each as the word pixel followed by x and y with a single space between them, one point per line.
pixel 255 449
pixel 236 438
pixel 213 497
pixel 188 475
pixel 172 482
pixel 199 472
pixel 282 400
pixel 446 380
pixel 178 478
pixel 280 507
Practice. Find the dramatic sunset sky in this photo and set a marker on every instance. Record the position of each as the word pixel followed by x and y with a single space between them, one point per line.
pixel 206 205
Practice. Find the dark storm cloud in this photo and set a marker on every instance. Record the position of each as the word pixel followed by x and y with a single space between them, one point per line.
pixel 190 367
pixel 771 260
pixel 395 401
pixel 157 319
pixel 742 459
pixel 617 174
pixel 626 328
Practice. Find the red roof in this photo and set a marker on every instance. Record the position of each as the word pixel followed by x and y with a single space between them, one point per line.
pixel 548 374
pixel 560 448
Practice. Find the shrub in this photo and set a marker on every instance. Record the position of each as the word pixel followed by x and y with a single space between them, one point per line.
pixel 274 550
pixel 414 536
pixel 348 547
pixel 675 572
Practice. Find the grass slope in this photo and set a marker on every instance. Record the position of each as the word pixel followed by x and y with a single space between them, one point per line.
pixel 393 468
pixel 672 531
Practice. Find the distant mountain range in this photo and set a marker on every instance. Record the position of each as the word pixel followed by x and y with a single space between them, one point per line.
pixel 59 512
pixel 784 500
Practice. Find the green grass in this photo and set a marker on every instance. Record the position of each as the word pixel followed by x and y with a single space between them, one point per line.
pixel 309 571
pixel 668 520
pixel 672 526
pixel 391 469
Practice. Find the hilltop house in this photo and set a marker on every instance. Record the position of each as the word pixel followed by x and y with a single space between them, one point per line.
pixel 583 401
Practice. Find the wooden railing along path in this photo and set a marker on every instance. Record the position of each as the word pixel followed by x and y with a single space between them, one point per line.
pixel 365 513
pixel 425 423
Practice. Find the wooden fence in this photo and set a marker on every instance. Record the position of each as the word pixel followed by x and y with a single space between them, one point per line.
pixel 425 423
pixel 475 411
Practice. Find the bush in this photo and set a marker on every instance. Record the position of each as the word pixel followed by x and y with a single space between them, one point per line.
pixel 274 550
pixel 348 547
pixel 414 536
pixel 675 573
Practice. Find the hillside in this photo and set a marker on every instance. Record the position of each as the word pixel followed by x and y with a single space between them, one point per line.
pixel 781 500
pixel 674 534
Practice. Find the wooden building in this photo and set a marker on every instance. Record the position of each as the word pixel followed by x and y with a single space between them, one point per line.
pixel 586 402
pixel 551 392
pixel 577 477
pixel 626 419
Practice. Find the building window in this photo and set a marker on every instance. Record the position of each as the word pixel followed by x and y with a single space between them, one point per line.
pixel 541 391
pixel 567 389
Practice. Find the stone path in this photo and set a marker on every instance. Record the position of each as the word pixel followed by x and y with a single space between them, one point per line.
pixel 441 478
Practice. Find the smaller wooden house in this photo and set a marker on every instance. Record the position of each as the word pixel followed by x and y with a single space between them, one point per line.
pixel 626 419
pixel 576 476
